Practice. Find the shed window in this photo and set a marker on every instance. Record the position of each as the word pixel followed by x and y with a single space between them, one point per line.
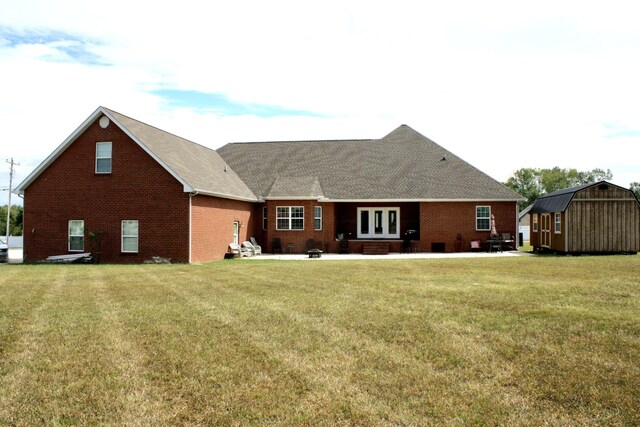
pixel 535 223
pixel 289 218
pixel 558 228
pixel 76 235
pixel 483 218
pixel 103 157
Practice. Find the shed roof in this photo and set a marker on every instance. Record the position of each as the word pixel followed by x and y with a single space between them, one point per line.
pixel 403 165
pixel 558 201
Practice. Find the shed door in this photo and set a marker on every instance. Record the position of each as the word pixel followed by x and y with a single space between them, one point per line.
pixel 545 230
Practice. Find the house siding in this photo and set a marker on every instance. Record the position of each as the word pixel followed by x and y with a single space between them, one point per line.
pixel 212 225
pixel 138 188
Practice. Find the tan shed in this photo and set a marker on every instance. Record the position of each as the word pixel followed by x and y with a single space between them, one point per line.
pixel 592 218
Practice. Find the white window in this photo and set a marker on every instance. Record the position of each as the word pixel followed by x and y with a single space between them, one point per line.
pixel 483 218
pixel 558 228
pixel 317 218
pixel 289 218
pixel 535 223
pixel 381 223
pixel 103 157
pixel 130 236
pixel 264 218
pixel 76 235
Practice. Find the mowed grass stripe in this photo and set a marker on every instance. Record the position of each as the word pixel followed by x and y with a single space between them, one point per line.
pixel 525 341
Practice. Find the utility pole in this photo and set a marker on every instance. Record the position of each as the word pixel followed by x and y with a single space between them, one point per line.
pixel 12 164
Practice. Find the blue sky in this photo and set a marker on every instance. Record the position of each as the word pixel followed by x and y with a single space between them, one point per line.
pixel 502 84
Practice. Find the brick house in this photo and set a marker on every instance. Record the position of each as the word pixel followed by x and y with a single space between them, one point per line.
pixel 127 191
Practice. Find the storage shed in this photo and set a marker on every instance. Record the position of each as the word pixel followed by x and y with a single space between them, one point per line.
pixel 592 218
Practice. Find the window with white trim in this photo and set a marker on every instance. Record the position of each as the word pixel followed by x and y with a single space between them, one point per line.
pixel 130 236
pixel 264 218
pixel 289 218
pixel 483 218
pixel 103 157
pixel 76 235
pixel 380 223
pixel 317 217
pixel 535 223
pixel 558 228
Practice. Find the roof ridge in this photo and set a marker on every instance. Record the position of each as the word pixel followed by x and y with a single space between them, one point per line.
pixel 319 141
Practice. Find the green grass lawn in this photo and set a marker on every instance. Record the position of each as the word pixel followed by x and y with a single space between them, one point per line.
pixel 500 341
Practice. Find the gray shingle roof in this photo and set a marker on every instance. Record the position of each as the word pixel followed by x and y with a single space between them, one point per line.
pixel 199 167
pixel 404 165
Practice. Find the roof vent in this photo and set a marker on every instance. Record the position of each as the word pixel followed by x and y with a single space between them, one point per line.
pixel 443 158
pixel 225 168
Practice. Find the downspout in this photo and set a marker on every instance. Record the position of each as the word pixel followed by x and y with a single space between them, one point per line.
pixel 193 193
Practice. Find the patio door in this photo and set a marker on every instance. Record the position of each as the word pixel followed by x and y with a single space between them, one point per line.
pixel 378 223
pixel 236 232
pixel 545 230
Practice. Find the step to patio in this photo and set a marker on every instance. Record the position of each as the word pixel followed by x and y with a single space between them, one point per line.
pixel 375 248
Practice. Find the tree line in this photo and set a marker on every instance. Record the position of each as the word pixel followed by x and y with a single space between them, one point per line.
pixel 532 183
pixel 15 224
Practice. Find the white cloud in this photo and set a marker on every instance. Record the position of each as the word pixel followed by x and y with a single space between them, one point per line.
pixel 504 85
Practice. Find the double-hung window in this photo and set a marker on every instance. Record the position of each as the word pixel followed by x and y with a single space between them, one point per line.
pixel 103 157
pixel 535 223
pixel 130 236
pixel 483 218
pixel 558 228
pixel 317 217
pixel 378 223
pixel 76 235
pixel 289 218
pixel 264 218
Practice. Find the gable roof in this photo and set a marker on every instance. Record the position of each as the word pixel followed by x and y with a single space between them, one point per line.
pixel 197 168
pixel 403 165
pixel 558 201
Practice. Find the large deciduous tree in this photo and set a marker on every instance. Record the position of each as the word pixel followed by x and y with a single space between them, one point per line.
pixel 532 183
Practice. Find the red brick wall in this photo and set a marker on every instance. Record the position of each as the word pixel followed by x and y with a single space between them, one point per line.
pixel 212 225
pixel 440 222
pixel 436 221
pixel 299 237
pixel 137 189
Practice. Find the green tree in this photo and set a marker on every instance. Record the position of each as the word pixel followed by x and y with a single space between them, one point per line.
pixel 15 225
pixel 532 183
pixel 635 187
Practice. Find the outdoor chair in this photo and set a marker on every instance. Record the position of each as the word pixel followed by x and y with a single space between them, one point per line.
pixel 276 245
pixel 344 246
pixel 256 245
pixel 507 241
pixel 252 249
pixel 238 251
pixel 476 245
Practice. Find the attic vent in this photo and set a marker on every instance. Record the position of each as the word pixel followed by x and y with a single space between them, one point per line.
pixel 603 187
